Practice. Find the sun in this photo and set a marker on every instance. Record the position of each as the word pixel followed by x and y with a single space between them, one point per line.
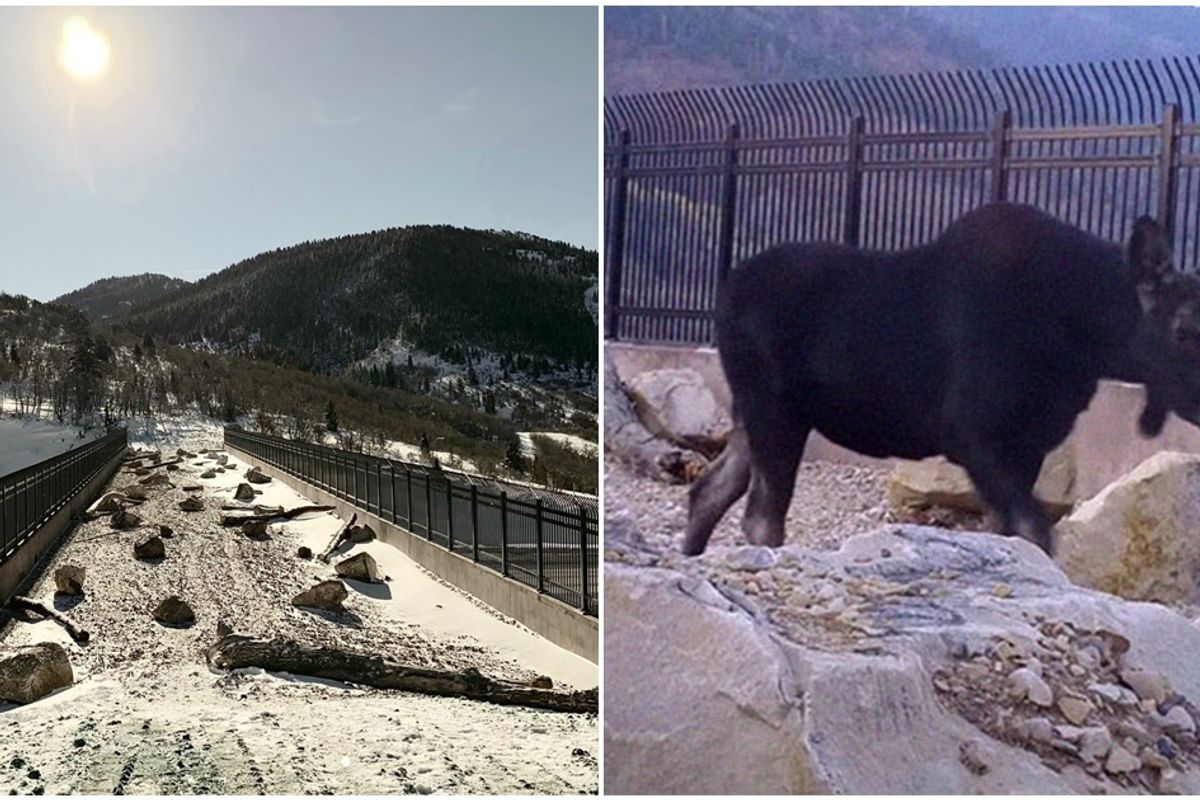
pixel 83 52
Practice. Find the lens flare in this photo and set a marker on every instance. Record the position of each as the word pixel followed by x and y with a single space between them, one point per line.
pixel 83 52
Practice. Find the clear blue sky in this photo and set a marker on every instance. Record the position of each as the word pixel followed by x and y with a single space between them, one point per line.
pixel 216 134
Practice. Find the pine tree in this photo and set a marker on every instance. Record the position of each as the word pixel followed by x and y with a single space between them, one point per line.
pixel 137 352
pixel 230 406
pixel 331 418
pixel 489 402
pixel 513 456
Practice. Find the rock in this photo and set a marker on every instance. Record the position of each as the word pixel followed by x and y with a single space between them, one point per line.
pixel 360 534
pixel 256 475
pixel 626 438
pixel 157 479
pixel 360 567
pixel 136 492
pixel 676 405
pixel 68 579
pixel 328 595
pixel 223 459
pixel 1027 685
pixel 1178 719
pixel 165 531
pixel 1038 729
pixel 191 503
pixel 1118 695
pixel 1167 748
pixel 971 756
pixel 1147 685
pixel 1075 709
pixel 1121 760
pixel 34 672
pixel 1136 538
pixel 304 552
pixel 172 468
pixel 123 519
pixel 244 492
pixel 111 501
pixel 542 682
pixel 193 487
pixel 798 699
pixel 208 474
pixel 255 529
pixel 223 629
pixel 1095 743
pixel 1150 757
pixel 174 611
pixel 149 549
pixel 915 486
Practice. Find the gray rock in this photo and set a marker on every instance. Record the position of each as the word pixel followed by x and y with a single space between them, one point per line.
pixel 244 492
pixel 1178 719
pixel 1075 709
pixel 157 479
pixel 208 474
pixel 1027 685
pixel 542 682
pixel 191 503
pixel 34 672
pixel 123 520
pixel 1147 685
pixel 1038 729
pixel 256 475
pixel 304 552
pixel 68 579
pixel 677 405
pixel 360 567
pixel 111 501
pixel 328 595
pixel 165 531
pixel 255 529
pixel 1095 743
pixel 175 611
pixel 223 629
pixel 360 534
pixel 149 549
pixel 1121 761
pixel 136 492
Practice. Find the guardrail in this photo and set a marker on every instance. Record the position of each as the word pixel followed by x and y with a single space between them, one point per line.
pixel 544 539
pixel 30 497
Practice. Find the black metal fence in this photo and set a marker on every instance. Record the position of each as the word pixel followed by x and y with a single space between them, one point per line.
pixel 546 540
pixel 697 180
pixel 30 497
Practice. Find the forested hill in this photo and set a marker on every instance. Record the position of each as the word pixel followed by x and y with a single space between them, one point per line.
pixel 110 297
pixel 325 305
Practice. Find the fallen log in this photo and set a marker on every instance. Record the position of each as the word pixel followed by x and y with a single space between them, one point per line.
pixel 337 539
pixel 233 520
pixel 283 655
pixel 255 509
pixel 158 464
pixel 26 604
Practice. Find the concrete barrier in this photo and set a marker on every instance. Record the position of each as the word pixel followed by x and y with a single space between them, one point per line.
pixel 1104 444
pixel 28 560
pixel 567 627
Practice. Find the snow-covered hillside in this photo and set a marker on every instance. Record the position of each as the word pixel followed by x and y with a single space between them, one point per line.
pixel 24 442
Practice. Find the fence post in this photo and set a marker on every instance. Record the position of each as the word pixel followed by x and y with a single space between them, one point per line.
pixel 1167 170
pixel 428 506
pixel 504 533
pixel 392 484
pixel 474 523
pixel 583 560
pixel 728 204
pixel 852 201
pixel 408 489
pixel 538 511
pixel 1000 126
pixel 616 240
pixel 450 515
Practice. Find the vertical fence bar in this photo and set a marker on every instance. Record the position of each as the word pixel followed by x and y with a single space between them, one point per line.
pixel 541 583
pixel 583 560
pixel 474 523
pixel 428 506
pixel 1001 124
pixel 449 515
pixel 408 489
pixel 1168 171
pixel 503 533
pixel 852 199
pixel 728 204
pixel 616 246
pixel 392 486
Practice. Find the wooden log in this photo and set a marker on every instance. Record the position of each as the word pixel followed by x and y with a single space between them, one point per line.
pixel 283 655
pixel 158 464
pixel 255 509
pixel 337 539
pixel 233 520
pixel 26 604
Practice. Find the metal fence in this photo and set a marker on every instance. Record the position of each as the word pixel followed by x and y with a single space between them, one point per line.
pixel 30 497
pixel 697 180
pixel 544 539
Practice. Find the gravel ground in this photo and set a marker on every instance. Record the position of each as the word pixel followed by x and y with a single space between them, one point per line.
pixel 832 503
pixel 147 716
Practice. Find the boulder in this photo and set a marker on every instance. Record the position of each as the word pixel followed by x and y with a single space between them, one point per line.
pixel 123 520
pixel 68 579
pixel 328 595
pixel 175 611
pixel 626 438
pixel 136 492
pixel 34 672
pixel 255 529
pixel 208 474
pixel 149 549
pixel 360 567
pixel 1137 537
pixel 157 479
pixel 304 552
pixel 172 467
pixel 936 483
pixel 244 492
pixel 256 475
pixel 360 534
pixel 191 503
pixel 885 667
pixel 678 406
pixel 223 459
pixel 542 682
pixel 111 501
pixel 165 531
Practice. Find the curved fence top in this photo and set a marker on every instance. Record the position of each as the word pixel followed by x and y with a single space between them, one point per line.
pixel 1131 92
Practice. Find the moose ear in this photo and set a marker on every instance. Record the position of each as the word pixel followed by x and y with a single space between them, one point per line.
pixel 1149 251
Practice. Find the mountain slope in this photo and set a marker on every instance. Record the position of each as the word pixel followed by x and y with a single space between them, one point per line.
pixel 323 306
pixel 108 298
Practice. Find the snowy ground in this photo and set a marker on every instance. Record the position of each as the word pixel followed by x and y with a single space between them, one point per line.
pixel 24 442
pixel 576 443
pixel 147 716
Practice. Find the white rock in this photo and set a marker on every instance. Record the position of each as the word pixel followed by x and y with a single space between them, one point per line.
pixel 937 483
pixel 1027 685
pixel 1178 719
pixel 1095 743
pixel 1121 760
pixel 677 405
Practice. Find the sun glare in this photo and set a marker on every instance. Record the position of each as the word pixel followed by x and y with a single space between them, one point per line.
pixel 83 51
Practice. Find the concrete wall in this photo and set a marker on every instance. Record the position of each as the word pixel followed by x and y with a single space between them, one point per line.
pixel 565 626
pixel 1105 442
pixel 26 561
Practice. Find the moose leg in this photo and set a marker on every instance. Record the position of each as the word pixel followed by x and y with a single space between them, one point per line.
pixel 775 452
pixel 1004 477
pixel 723 482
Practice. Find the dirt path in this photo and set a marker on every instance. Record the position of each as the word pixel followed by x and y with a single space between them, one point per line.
pixel 146 715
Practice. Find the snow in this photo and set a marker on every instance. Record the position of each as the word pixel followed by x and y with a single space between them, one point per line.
pixel 576 443
pixel 24 442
